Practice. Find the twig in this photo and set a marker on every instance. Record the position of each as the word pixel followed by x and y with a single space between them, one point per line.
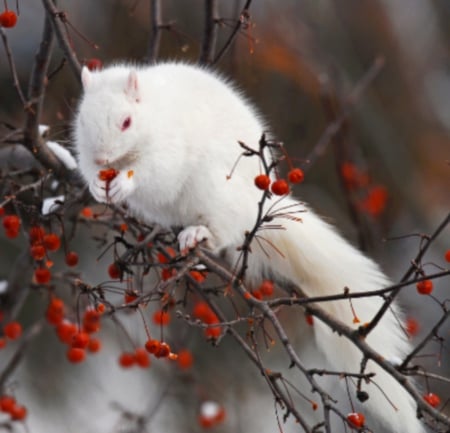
pixel 156 28
pixel 373 323
pixel 242 19
pixel 210 32
pixel 61 35
pixel 12 67
pixel 334 127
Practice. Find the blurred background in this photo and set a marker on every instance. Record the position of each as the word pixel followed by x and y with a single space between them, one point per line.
pixel 292 59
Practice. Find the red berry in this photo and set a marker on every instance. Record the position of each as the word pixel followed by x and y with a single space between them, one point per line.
pixel 2 211
pixel 152 346
pixel 18 413
pixel 356 420
pixel 185 359
pixel 309 319
pixel 213 332
pixel 432 399
pixel 52 241
pixel 87 212
pixel 37 252
pixel 130 297
pixel 8 19
pixel 126 360
pixel 80 340
pixel 93 64
pixel 75 355
pixel 114 271
pixel 280 187
pixel 163 350
pixel 65 331
pixel 141 357
pixel 94 345
pixel 161 317
pixel 2 343
pixel 425 287
pixel 13 330
pixel 36 234
pixel 11 222
pixel 7 403
pixel 71 258
pixel 447 256
pixel 42 275
pixel 266 288
pixel 108 174
pixel 296 175
pixel 257 294
pixel 412 326
pixel 262 181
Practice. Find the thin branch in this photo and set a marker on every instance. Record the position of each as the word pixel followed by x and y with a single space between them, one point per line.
pixel 156 28
pixel 210 32
pixel 243 18
pixel 12 66
pixel 334 127
pixel 61 35
pixel 373 323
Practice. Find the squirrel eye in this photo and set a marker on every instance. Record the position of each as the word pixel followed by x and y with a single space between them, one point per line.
pixel 126 123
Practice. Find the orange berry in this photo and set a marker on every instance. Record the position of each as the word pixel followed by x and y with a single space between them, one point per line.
pixel 100 308
pixel 280 187
pixel 114 271
pixel 52 241
pixel 91 320
pixel 262 181
pixel 432 399
pixel 108 174
pixel 42 275
pixel 141 357
pixel 8 19
pixel 152 346
pixel 7 403
pixel 425 287
pixel 163 350
pixel 71 258
pixel 412 326
pixel 65 331
pixel 11 224
pixel 296 175
pixel 213 332
pixel 13 330
pixel 198 276
pixel 80 340
pixel 185 359
pixel 18 413
pixel 75 355
pixel 356 420
pixel 37 252
pixel 447 256
pixel 130 297
pixel 375 202
pixel 167 273
pixel 126 360
pixel 161 317
pixel 257 294
pixel 36 234
pixel 93 64
pixel 309 319
pixel 94 345
pixel 203 312
pixel 87 212
pixel 266 288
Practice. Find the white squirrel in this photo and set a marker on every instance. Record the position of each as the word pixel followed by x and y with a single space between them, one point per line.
pixel 177 127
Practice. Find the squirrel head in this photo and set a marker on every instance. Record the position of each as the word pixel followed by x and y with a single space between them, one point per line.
pixel 107 123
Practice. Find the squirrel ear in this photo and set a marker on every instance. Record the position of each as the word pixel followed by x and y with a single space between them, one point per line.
pixel 132 88
pixel 86 77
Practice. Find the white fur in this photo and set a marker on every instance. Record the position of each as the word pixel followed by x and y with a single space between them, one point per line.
pixel 181 145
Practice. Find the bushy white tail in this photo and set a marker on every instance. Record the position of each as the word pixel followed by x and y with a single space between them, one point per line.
pixel 310 254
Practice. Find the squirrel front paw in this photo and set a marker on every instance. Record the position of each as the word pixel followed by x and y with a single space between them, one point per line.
pixel 191 236
pixel 113 189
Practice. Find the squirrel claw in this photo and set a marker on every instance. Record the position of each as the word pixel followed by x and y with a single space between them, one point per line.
pixel 191 236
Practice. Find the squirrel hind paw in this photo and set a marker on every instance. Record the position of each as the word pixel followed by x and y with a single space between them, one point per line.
pixel 191 236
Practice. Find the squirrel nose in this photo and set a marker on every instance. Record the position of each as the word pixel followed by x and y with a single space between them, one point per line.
pixel 100 161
